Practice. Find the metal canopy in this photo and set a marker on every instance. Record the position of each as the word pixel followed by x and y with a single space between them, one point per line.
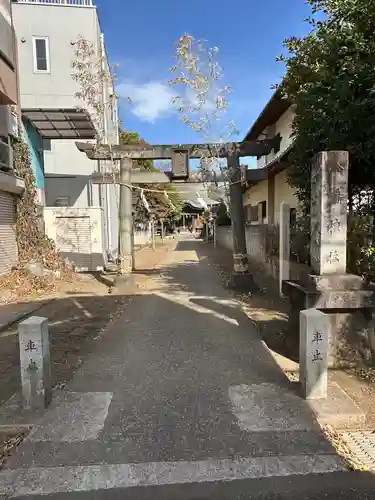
pixel 61 123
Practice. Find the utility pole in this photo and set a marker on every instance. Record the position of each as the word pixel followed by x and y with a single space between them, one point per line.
pixel 125 237
pixel 241 279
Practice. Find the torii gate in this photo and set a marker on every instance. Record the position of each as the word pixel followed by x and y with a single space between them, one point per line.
pixel 180 155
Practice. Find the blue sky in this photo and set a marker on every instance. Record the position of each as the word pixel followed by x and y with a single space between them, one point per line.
pixel 140 37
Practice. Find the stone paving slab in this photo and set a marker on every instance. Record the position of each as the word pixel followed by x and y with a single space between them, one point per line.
pixel 101 477
pixel 338 410
pixel 73 417
pixel 124 448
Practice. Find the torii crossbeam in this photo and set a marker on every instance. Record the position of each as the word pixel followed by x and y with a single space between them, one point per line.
pixel 163 151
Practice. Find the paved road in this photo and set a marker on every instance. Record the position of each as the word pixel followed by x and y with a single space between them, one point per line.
pixel 179 400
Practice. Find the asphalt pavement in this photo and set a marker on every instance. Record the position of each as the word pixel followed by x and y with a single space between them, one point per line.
pixel 180 400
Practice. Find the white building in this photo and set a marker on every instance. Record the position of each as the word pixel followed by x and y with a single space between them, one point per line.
pixel 46 33
pixel 267 184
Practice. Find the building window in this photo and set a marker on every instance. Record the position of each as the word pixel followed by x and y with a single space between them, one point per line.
pixel 264 209
pixel 254 213
pixel 247 213
pixel 62 201
pixel 41 54
pixel 47 145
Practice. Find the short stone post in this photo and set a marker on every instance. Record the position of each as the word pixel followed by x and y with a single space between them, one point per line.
pixel 313 353
pixel 284 244
pixel 35 361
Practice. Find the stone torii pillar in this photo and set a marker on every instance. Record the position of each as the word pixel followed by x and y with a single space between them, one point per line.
pixel 125 236
pixel 241 278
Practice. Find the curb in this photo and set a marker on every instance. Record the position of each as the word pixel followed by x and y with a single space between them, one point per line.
pixel 24 315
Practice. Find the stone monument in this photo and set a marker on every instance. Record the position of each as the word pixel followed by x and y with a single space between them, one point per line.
pixel 344 297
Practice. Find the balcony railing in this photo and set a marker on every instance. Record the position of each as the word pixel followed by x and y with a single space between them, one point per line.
pixel 66 3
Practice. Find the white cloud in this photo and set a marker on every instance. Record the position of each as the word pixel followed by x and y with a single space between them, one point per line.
pixel 148 101
pixel 152 100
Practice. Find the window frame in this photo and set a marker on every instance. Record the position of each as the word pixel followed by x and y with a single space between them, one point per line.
pixel 35 60
pixel 62 205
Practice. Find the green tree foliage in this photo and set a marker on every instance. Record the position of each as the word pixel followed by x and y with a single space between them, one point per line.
pixel 161 207
pixel 330 79
pixel 133 138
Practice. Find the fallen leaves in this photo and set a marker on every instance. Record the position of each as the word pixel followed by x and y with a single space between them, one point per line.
pixel 20 285
pixel 10 445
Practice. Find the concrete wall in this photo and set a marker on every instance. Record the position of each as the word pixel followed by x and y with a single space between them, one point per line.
pixel 62 25
pixel 283 192
pixel 256 237
pixel 77 188
pixel 142 238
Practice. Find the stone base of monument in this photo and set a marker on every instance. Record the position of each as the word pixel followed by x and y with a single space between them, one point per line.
pixel 350 304
pixel 242 282
pixel 338 410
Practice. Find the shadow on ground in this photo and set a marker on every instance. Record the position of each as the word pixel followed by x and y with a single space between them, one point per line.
pixel 190 381
pixel 190 364
pixel 264 307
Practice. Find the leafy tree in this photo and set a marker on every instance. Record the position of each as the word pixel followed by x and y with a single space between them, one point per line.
pixel 330 79
pixel 161 206
pixel 202 101
pixel 133 138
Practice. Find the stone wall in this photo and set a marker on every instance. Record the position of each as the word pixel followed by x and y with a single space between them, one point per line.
pixel 142 238
pixel 256 237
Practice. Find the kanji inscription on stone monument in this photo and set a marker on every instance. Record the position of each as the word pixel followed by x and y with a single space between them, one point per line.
pixel 328 212
pixel 31 346
pixel 317 337
pixel 317 356
pixel 313 358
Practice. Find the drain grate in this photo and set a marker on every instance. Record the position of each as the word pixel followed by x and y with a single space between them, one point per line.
pixel 362 445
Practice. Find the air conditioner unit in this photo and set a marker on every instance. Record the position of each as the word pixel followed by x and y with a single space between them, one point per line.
pixel 6 156
pixel 4 121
